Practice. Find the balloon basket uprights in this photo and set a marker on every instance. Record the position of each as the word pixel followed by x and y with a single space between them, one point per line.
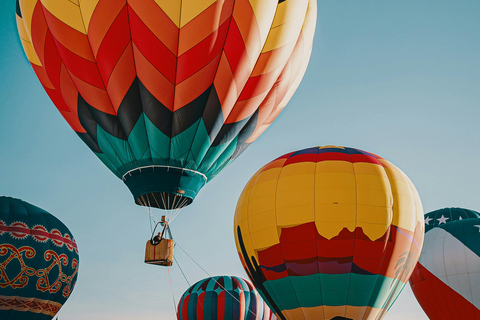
pixel 159 249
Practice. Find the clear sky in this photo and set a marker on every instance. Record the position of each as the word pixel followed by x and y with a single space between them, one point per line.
pixel 398 78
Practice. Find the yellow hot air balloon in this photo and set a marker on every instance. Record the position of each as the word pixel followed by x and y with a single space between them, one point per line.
pixel 329 233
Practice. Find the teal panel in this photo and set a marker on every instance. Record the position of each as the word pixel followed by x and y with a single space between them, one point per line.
pixel 381 292
pixel 138 140
pixel 159 144
pixel 106 161
pixel 180 146
pixel 200 145
pixel 334 297
pixel 109 151
pixel 222 159
pixel 334 290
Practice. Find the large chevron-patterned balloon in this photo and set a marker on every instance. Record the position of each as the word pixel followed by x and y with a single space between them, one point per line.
pixel 168 92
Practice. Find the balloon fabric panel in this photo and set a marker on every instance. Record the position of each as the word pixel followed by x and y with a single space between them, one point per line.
pixel 329 231
pixel 186 84
pixel 38 262
pixel 447 215
pixel 446 279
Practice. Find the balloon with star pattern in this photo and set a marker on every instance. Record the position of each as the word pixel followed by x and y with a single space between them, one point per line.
pixel 38 262
pixel 446 215
pixel 223 297
pixel 168 93
pixel 446 279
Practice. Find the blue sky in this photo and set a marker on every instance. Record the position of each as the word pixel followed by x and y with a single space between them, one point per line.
pixel 397 78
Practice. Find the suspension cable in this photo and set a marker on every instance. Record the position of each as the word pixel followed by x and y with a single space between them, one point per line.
pixel 173 296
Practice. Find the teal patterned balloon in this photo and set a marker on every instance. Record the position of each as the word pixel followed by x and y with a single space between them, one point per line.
pixel 446 215
pixel 38 262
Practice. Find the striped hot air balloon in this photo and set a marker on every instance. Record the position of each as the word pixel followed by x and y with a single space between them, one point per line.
pixel 223 297
pixel 329 233
pixel 38 262
pixel 446 279
pixel 168 92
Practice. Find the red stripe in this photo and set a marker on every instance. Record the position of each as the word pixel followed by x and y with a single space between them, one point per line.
pixel 438 300
pixel 39 233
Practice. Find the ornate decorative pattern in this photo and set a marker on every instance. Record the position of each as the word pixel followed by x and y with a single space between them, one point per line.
pixel 19 230
pixel 21 279
pixel 29 304
pixel 38 261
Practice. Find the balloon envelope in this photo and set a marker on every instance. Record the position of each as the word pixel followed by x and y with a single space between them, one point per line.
pixel 38 262
pixel 167 93
pixel 223 297
pixel 447 215
pixel 446 279
pixel 329 233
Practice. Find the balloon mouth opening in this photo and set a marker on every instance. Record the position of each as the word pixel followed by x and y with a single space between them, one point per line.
pixel 164 200
pixel 164 187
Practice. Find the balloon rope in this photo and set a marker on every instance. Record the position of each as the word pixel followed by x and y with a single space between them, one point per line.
pixel 216 281
pixel 178 264
pixel 173 297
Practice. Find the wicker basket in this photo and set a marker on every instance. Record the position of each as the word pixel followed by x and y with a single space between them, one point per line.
pixel 161 253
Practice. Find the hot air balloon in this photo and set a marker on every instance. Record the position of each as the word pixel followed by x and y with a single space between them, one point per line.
pixel 447 215
pixel 38 262
pixel 329 233
pixel 446 279
pixel 168 93
pixel 223 297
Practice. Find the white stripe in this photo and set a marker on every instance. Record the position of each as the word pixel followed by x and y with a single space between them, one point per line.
pixel 453 263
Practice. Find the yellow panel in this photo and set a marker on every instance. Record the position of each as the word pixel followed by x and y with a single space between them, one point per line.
pixel 264 188
pixel 331 312
pixel 374 197
pixel 372 230
pixel 355 312
pixel 67 11
pixel 313 312
pixel 264 11
pixel 294 314
pixel 26 43
pixel 261 204
pixel 27 7
pixel 268 175
pixel 369 168
pixel 171 9
pixel 335 180
pixel 374 214
pixel 331 229
pixel 334 166
pixel 30 53
pixel 293 183
pixel 372 313
pixel 192 8
pixel 88 7
pixel 338 213
pixel 283 34
pixel 298 168
pixel 418 202
pixel 265 238
pixel 362 312
pixel 335 196
pixel 246 240
pixel 288 11
pixel 294 216
pixel 262 221
pixel 404 209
